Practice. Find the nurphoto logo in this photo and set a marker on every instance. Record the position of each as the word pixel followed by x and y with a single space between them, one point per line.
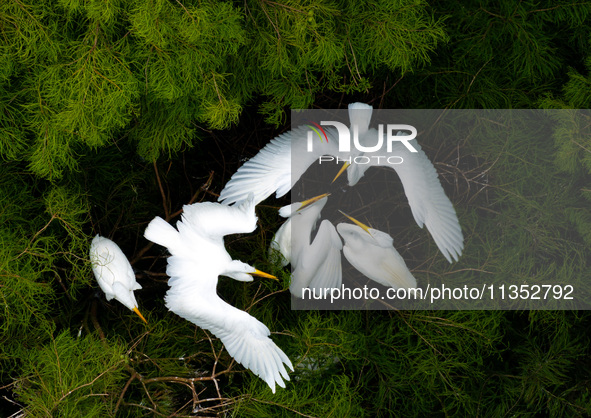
pixel 345 137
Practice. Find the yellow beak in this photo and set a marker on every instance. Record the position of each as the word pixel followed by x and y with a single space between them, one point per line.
pixel 360 224
pixel 314 199
pixel 263 274
pixel 343 168
pixel 137 311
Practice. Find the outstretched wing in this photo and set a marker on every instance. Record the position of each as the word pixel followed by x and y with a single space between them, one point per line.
pixel 246 339
pixel 214 220
pixel 428 202
pixel 278 166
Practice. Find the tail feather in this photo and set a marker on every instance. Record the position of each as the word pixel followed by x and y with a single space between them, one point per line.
pixel 162 233
pixel 360 115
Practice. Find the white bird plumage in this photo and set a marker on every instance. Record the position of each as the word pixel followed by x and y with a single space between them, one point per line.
pixel 198 257
pixel 274 168
pixel 372 252
pixel 114 273
pixel 427 200
pixel 281 163
pixel 316 264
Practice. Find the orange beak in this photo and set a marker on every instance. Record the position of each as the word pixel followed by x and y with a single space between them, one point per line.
pixel 343 168
pixel 263 274
pixel 137 311
pixel 360 224
pixel 312 200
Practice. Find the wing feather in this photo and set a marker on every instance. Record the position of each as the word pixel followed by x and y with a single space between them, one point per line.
pixel 318 265
pixel 246 339
pixel 280 248
pixel 215 221
pixel 329 273
pixel 427 200
pixel 278 166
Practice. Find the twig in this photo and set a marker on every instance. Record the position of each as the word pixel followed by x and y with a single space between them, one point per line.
pixel 164 203
pixel 131 379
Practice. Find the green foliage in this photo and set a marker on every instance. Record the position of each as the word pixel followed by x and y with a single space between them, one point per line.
pixel 24 260
pixel 88 74
pixel 70 377
pixel 300 48
pixel 501 54
pixel 35 253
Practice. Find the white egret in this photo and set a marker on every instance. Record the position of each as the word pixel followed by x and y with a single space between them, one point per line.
pixel 198 258
pixel 426 198
pixel 372 253
pixel 114 273
pixel 315 264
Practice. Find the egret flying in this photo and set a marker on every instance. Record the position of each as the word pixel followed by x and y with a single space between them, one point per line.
pixel 315 264
pixel 427 200
pixel 198 258
pixel 372 253
pixel 114 273
pixel 281 163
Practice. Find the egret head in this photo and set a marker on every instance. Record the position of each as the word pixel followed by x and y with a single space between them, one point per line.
pixel 356 170
pixel 127 298
pixel 243 272
pixel 317 202
pixel 321 199
pixel 359 116
pixel 360 234
pixel 360 224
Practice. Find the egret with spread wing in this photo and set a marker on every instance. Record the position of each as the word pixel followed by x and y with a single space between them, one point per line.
pixel 114 273
pixel 427 200
pixel 198 258
pixel 281 163
pixel 372 252
pixel 316 264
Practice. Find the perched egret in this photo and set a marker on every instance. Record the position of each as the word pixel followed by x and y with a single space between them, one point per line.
pixel 198 258
pixel 114 273
pixel 276 169
pixel 315 264
pixel 372 253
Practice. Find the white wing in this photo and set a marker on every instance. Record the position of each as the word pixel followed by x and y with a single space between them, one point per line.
pixel 318 265
pixel 246 339
pixel 375 256
pixel 329 274
pixel 162 233
pixel 428 202
pixel 214 220
pixel 278 166
pixel 384 266
pixel 280 248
